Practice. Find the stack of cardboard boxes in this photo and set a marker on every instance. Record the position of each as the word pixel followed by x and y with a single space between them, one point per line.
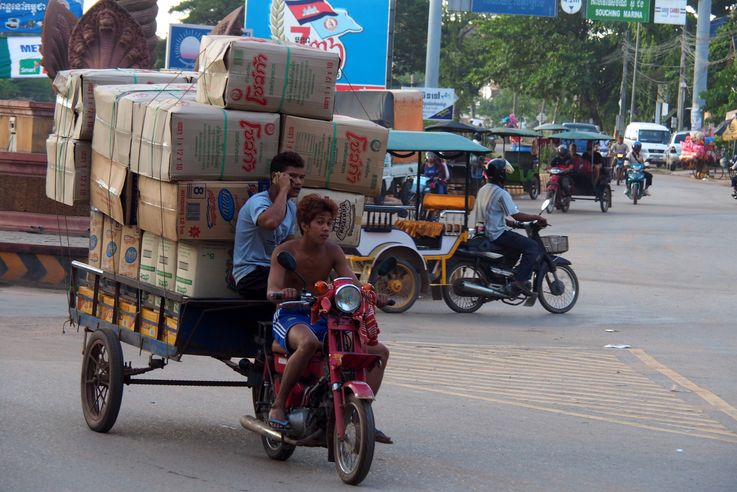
pixel 170 164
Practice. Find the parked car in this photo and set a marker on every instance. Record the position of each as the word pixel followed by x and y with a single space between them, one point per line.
pixel 653 137
pixel 587 127
pixel 673 155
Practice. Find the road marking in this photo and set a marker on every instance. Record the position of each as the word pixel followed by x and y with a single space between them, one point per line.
pixel 578 382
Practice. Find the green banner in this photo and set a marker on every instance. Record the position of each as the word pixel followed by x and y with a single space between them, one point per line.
pixel 4 59
pixel 619 10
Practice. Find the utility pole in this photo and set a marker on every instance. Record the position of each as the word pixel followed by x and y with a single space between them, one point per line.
pixel 634 74
pixel 701 62
pixel 682 82
pixel 432 60
pixel 623 87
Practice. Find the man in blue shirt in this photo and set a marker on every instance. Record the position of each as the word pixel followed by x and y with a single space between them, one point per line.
pixel 266 220
pixel 493 205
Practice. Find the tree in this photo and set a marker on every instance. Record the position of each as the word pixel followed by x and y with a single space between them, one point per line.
pixel 27 89
pixel 410 39
pixel 720 96
pixel 206 12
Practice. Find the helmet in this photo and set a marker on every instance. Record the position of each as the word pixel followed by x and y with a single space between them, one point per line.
pixel 497 169
pixel 562 149
pixel 636 146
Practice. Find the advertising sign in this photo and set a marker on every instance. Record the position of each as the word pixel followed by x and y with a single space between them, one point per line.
pixel 20 57
pixel 183 45
pixel 437 104
pixel 27 17
pixel 358 30
pixel 538 8
pixel 619 10
pixel 670 12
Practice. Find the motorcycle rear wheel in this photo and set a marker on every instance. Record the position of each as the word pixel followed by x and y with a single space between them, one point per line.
pixel 264 393
pixel 354 454
pixel 558 292
pixel 463 304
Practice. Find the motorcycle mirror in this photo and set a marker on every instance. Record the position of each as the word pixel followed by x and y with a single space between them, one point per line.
pixel 386 266
pixel 545 205
pixel 286 260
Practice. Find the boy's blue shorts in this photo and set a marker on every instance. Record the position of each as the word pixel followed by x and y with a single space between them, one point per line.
pixel 285 319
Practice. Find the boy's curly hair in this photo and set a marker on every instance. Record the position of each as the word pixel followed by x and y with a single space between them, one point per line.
pixel 313 204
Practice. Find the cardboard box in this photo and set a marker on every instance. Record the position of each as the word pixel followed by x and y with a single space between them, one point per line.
pixel 182 139
pixel 111 236
pixel 129 258
pixel 202 268
pixel 347 224
pixel 114 105
pixel 68 169
pixel 97 223
pixel 262 75
pixel 204 210
pixel 74 115
pixel 166 264
pixel 113 189
pixel 345 154
pixel 149 258
pixel 149 323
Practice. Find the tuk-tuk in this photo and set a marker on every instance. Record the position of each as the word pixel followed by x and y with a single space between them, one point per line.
pixel 523 158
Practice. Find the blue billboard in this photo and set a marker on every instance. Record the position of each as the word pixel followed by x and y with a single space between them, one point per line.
pixel 27 17
pixel 358 30
pixel 183 45
pixel 538 8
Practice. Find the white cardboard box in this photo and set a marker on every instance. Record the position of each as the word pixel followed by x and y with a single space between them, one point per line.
pixel 166 264
pixel 202 268
pixel 347 224
pixel 149 258
pixel 68 169
pixel 262 75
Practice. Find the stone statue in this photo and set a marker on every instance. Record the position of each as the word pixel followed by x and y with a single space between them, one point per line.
pixel 232 24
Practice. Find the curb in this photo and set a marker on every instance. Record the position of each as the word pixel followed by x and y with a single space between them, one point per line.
pixel 37 265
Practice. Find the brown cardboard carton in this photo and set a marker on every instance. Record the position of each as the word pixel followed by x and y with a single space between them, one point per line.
pixel 129 257
pixel 74 114
pixel 347 224
pixel 262 75
pixel 114 114
pixel 112 189
pixel 345 154
pixel 202 268
pixel 97 223
pixel 149 258
pixel 202 210
pixel 111 236
pixel 68 169
pixel 188 140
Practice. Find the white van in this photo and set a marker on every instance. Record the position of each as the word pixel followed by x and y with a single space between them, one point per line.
pixel 653 137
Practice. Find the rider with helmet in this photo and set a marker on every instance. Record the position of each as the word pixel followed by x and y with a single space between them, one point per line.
pixel 493 205
pixel 564 162
pixel 636 156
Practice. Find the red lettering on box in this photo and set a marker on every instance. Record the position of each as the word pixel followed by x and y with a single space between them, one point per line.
pixel 251 132
pixel 357 146
pixel 255 91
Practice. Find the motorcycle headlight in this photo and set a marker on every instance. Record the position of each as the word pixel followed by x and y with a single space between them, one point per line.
pixel 348 298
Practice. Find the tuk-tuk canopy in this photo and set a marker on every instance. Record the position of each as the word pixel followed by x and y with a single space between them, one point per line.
pixel 416 141
pixel 514 132
pixel 571 135
pixel 551 127
pixel 455 127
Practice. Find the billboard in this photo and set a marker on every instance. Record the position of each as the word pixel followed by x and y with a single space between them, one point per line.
pixel 27 17
pixel 183 45
pixel 538 8
pixel 619 10
pixel 437 103
pixel 358 30
pixel 670 12
pixel 20 57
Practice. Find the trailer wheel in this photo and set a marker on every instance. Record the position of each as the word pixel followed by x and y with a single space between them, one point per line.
pixel 401 284
pixel 102 380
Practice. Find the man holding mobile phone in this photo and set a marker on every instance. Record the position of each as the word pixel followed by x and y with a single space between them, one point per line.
pixel 266 220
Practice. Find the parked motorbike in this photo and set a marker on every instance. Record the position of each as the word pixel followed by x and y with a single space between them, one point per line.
pixel 330 406
pixel 635 181
pixel 558 190
pixel 480 272
pixel 619 167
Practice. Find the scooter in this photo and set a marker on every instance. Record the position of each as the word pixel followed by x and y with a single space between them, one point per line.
pixel 558 192
pixel 330 406
pixel 635 181
pixel 480 272
pixel 619 167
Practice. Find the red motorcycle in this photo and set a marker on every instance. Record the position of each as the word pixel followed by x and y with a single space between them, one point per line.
pixel 330 406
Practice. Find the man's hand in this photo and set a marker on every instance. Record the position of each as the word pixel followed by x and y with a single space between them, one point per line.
pixel 542 221
pixel 283 181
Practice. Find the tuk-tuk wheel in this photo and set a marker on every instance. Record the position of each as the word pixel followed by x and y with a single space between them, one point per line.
pixel 102 380
pixel 402 284
pixel 534 191
pixel 606 199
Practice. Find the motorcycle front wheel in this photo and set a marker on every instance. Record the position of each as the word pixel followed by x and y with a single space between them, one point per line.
pixel 263 398
pixel 458 270
pixel 634 191
pixel 354 454
pixel 558 292
pixel 551 204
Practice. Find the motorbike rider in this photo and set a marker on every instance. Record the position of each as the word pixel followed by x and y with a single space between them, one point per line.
pixel 493 205
pixel 292 329
pixel 636 156
pixel 563 161
pixel 618 148
pixel 436 170
pixel 266 220
pixel 600 172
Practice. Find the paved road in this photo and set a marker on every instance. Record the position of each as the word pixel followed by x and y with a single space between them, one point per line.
pixel 509 398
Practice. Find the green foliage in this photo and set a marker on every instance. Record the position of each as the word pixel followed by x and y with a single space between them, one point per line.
pixel 160 54
pixel 206 12
pixel 720 96
pixel 27 89
pixel 410 41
